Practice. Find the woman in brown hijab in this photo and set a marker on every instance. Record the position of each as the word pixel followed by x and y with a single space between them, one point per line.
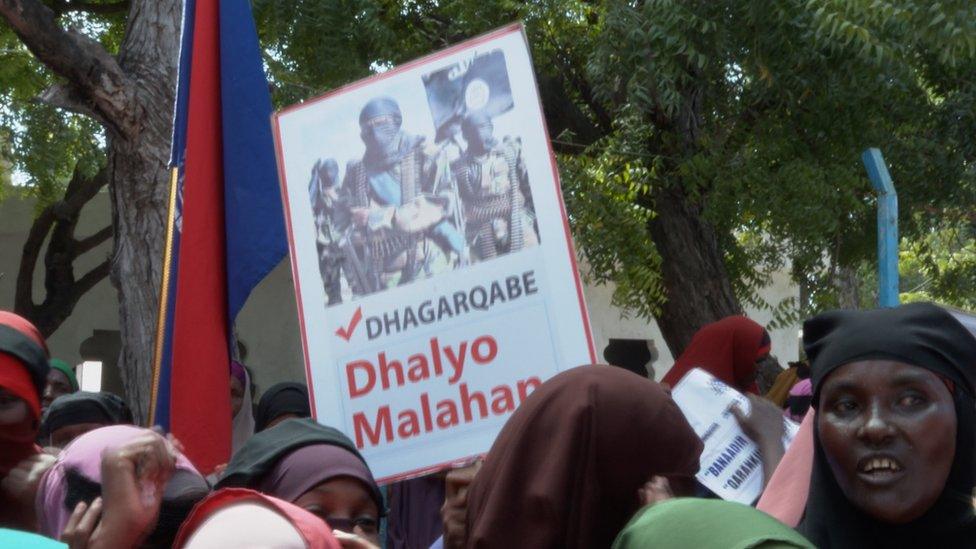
pixel 566 469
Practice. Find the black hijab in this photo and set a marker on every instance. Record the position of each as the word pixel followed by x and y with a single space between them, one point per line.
pixel 925 336
pixel 284 398
pixel 85 407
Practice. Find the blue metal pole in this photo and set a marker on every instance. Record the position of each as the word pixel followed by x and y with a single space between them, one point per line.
pixel 887 227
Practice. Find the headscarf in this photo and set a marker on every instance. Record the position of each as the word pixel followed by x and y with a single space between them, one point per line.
pixel 415 512
pixel 727 349
pixel 798 402
pixel 785 497
pixel 566 468
pixel 23 372
pixel 77 476
pixel 84 407
pixel 295 456
pixel 223 528
pixel 242 426
pixel 706 524
pixel 284 398
pixel 925 336
pixel 23 360
pixel 67 370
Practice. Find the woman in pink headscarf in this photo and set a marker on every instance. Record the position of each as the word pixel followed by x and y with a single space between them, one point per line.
pixel 122 483
pixel 236 517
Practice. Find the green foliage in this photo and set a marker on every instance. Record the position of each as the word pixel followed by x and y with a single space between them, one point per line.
pixel 941 265
pixel 758 110
pixel 787 95
pixel 40 142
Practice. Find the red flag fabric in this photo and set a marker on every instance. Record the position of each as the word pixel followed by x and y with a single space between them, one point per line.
pixel 200 399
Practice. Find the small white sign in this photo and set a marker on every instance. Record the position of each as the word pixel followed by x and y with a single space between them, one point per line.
pixel 731 465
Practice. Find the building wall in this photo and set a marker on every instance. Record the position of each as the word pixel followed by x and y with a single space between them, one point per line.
pixel 268 324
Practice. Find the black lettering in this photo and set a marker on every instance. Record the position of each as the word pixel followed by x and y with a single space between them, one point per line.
pixel 460 301
pixel 444 308
pixel 514 288
pixel 496 293
pixel 528 280
pixel 426 312
pixel 374 327
pixel 395 322
pixel 409 318
pixel 480 303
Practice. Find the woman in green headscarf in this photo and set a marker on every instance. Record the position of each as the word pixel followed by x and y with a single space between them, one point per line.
pixel 707 524
pixel 61 381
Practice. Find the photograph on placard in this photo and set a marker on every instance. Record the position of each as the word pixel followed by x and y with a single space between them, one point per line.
pixel 392 206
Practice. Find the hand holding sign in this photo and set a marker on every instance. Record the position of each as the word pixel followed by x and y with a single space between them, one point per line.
pixel 740 438
pixel 764 425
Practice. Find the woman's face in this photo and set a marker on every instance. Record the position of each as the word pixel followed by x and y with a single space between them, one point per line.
pixel 889 433
pixel 58 384
pixel 16 421
pixel 345 504
pixel 236 396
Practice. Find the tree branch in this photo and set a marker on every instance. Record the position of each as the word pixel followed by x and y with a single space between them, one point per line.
pixel 90 279
pixel 61 7
pixel 62 289
pixel 93 73
pixel 88 244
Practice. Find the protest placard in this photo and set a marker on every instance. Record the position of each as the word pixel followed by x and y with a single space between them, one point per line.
pixel 730 463
pixel 436 280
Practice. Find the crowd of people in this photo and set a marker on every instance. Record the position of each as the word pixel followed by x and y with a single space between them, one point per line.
pixel 595 457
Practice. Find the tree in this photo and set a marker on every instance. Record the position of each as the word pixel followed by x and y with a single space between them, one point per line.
pixel 702 143
pixel 126 86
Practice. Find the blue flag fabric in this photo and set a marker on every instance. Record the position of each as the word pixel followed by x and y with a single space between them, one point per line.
pixel 255 238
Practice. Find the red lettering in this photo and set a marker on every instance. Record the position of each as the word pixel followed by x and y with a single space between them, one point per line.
pixel 457 362
pixel 502 400
pixel 383 425
pixel 366 366
pixel 425 410
pixel 447 415
pixel 489 354
pixel 385 368
pixel 527 386
pixel 468 398
pixel 435 353
pixel 409 426
pixel 419 368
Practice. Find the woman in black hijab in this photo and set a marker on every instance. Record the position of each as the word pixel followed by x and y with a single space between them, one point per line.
pixel 894 444
pixel 74 414
pixel 280 402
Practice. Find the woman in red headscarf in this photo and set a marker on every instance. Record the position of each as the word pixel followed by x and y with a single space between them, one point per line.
pixel 23 376
pixel 728 349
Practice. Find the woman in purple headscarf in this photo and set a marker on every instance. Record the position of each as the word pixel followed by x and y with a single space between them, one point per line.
pixel 315 467
pixel 242 408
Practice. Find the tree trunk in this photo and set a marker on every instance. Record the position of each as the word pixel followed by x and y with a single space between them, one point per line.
pixel 139 183
pixel 131 95
pixel 848 285
pixel 692 269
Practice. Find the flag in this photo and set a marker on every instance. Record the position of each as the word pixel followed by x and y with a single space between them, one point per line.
pixel 226 229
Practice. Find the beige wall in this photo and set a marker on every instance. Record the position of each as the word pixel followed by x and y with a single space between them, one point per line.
pixel 268 324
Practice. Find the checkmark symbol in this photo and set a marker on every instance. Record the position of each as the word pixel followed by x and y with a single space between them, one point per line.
pixel 346 332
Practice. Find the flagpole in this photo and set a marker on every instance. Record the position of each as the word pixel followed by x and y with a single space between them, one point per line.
pixel 164 292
